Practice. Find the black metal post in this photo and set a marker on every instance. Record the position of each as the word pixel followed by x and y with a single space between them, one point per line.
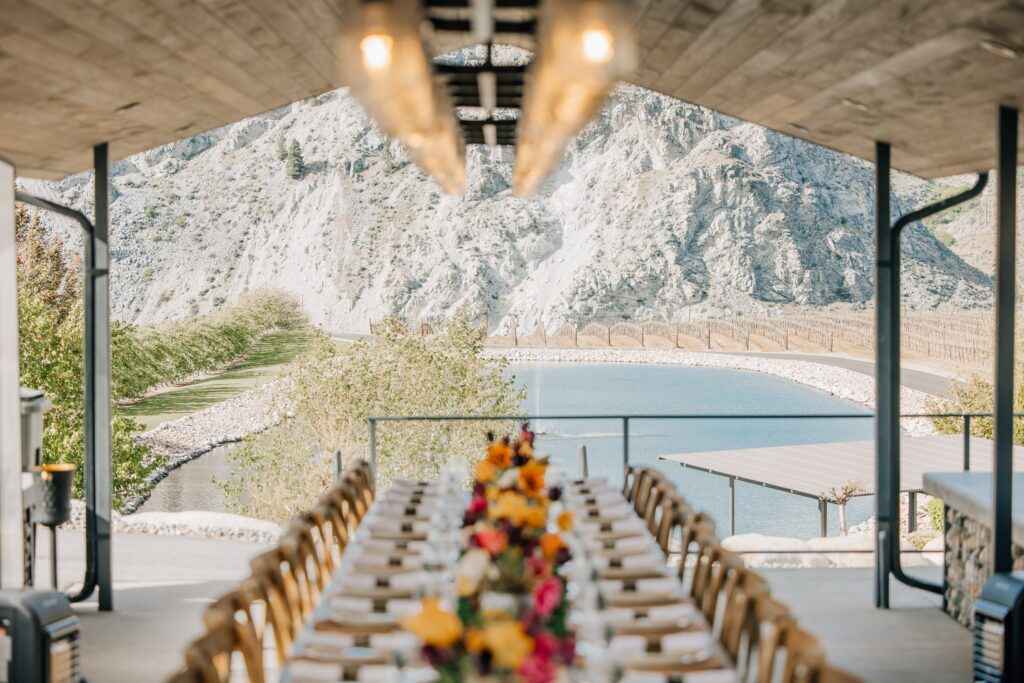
pixel 823 517
pixel 1006 258
pixel 887 374
pixel 625 443
pixel 99 282
pixel 967 443
pixel 912 511
pixel 732 506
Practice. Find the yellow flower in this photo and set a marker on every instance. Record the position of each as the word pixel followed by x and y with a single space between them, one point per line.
pixel 531 478
pixel 485 471
pixel 508 642
pixel 475 641
pixel 537 516
pixel 565 521
pixel 434 626
pixel 510 506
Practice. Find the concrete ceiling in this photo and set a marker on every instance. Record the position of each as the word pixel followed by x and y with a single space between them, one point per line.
pixel 924 75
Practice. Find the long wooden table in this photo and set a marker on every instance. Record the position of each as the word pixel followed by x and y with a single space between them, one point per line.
pixel 643 624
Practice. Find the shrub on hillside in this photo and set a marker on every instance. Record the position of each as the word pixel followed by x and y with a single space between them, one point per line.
pixel 337 386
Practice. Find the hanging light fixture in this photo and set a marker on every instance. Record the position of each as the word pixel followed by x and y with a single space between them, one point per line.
pixel 384 60
pixel 583 48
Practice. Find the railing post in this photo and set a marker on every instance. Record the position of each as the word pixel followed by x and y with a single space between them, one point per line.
pixel 967 443
pixel 584 465
pixel 337 466
pixel 625 443
pixel 823 520
pixel 732 506
pixel 373 448
pixel 912 511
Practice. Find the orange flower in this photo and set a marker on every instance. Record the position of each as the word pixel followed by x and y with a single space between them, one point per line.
pixel 565 521
pixel 475 641
pixel 524 449
pixel 550 544
pixel 499 454
pixel 485 471
pixel 434 626
pixel 536 516
pixel 531 478
pixel 509 643
pixel 492 540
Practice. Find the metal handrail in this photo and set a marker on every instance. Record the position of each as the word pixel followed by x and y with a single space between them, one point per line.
pixel 625 419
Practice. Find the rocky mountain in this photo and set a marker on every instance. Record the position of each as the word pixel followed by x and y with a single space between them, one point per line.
pixel 660 210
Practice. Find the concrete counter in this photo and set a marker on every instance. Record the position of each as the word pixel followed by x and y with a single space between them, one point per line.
pixel 968 538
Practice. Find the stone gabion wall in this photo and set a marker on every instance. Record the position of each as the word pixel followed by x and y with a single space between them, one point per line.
pixel 969 563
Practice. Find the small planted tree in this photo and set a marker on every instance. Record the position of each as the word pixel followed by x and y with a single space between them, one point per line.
pixel 841 495
pixel 295 166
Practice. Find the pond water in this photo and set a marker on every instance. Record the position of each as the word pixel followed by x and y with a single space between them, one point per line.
pixel 560 389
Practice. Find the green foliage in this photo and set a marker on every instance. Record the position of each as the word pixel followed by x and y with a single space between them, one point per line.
pixel 150 212
pixel 336 387
pixel 937 514
pixel 295 165
pixel 145 357
pixel 976 396
pixel 50 356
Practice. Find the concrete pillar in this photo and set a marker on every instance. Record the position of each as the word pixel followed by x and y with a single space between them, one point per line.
pixel 11 536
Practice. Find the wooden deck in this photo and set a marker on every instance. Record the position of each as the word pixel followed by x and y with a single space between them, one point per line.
pixel 813 469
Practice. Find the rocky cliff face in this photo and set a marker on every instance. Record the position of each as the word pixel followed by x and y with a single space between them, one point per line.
pixel 660 210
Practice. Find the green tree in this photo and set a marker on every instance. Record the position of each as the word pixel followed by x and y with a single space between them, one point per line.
pixel 295 166
pixel 50 323
pixel 335 387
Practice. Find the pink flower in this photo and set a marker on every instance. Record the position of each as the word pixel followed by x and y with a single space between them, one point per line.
pixel 538 566
pixel 547 596
pixel 537 669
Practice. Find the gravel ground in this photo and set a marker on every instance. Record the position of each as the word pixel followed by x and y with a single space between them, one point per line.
pixel 193 523
pixel 840 382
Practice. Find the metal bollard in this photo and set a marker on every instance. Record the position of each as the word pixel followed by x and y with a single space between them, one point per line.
pixel 584 466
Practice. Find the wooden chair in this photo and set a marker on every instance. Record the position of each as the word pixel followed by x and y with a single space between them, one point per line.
pixel 693 532
pixel 804 660
pixel 723 568
pixel 278 588
pixel 771 620
pixel 208 658
pixel 628 479
pixel 239 610
pixel 738 633
pixel 646 480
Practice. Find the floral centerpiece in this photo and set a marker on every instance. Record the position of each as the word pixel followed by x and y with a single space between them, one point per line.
pixel 510 619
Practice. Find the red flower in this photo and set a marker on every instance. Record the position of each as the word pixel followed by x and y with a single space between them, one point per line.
pixel 539 567
pixel 545 645
pixel 477 505
pixel 547 596
pixel 537 669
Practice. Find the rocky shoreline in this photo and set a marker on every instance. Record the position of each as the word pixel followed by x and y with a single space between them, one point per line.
pixel 839 382
pixel 192 436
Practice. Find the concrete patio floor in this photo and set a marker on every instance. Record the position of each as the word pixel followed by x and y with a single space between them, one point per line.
pixel 161 586
pixel 163 583
pixel 912 641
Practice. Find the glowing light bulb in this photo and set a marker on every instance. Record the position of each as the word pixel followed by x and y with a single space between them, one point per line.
pixel 597 45
pixel 376 49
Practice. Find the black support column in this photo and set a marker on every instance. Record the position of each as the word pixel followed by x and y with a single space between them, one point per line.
pixel 887 377
pixel 1006 288
pixel 97 381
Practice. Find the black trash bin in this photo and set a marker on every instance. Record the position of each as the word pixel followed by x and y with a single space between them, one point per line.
pixel 52 505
